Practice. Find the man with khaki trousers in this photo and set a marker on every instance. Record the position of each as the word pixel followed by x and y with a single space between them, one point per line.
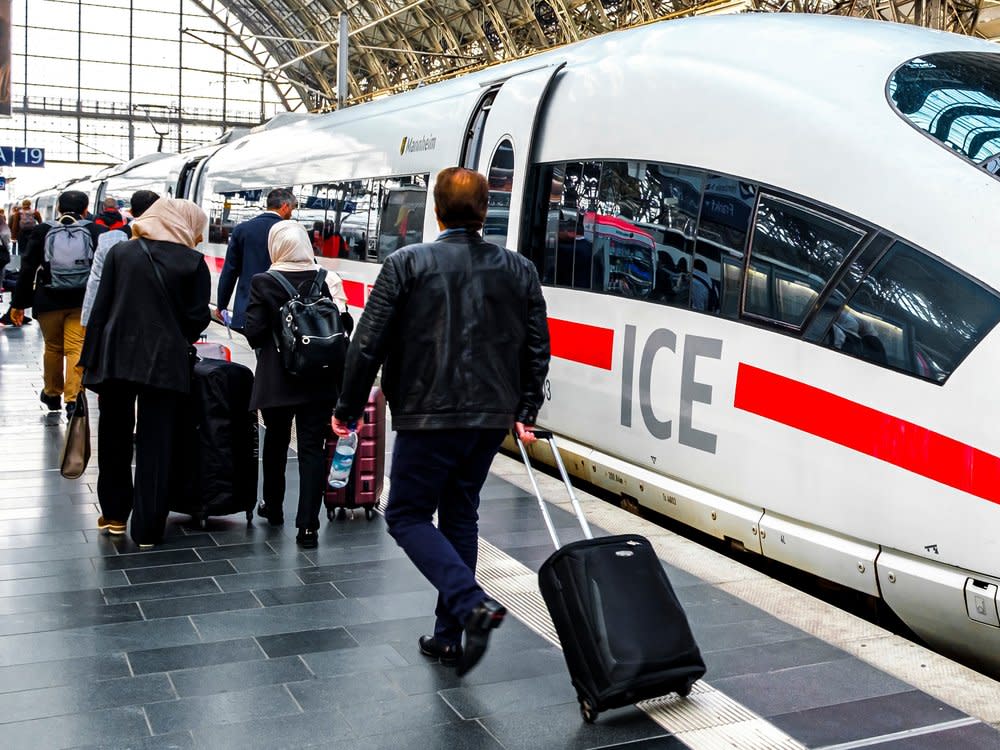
pixel 54 288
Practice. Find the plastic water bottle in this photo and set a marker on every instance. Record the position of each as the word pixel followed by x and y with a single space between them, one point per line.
pixel 343 458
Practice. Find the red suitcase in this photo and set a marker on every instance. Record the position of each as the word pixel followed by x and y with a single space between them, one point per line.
pixel 364 487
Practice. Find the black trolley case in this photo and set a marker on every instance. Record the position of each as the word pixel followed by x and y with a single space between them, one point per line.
pixel 623 632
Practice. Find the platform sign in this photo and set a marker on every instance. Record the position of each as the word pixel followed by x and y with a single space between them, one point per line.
pixel 21 156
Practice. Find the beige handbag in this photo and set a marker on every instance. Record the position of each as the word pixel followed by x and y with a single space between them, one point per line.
pixel 76 451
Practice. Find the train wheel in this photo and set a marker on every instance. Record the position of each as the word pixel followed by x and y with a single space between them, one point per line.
pixel 341 514
pixel 369 513
pixel 587 712
pixel 250 517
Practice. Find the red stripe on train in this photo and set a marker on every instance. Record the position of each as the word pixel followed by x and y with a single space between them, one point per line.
pixel 577 342
pixel 869 431
pixel 355 291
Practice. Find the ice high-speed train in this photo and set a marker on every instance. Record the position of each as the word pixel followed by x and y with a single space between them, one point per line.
pixel 768 246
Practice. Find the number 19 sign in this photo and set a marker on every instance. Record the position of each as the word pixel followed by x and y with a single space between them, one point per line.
pixel 16 156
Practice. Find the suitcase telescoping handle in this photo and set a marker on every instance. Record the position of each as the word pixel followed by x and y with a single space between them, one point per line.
pixel 547 435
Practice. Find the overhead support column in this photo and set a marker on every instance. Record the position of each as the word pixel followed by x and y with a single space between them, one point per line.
pixel 342 42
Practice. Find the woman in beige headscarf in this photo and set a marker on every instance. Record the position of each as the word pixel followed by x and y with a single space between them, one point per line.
pixel 151 306
pixel 281 396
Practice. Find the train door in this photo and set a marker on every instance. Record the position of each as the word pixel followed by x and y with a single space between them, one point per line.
pixel 186 182
pixel 504 141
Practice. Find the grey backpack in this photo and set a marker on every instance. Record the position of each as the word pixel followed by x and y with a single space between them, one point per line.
pixel 69 253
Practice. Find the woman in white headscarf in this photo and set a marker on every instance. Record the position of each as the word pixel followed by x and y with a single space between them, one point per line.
pixel 151 306
pixel 281 396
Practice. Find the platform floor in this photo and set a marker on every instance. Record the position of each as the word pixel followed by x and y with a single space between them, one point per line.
pixel 231 637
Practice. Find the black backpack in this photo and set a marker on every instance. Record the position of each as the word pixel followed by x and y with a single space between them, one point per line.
pixel 312 340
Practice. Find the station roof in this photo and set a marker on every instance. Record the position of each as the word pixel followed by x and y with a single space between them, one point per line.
pixel 399 44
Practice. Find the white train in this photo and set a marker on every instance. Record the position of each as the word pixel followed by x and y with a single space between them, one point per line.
pixel 767 250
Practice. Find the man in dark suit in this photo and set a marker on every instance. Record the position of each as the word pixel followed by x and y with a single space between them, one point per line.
pixel 460 325
pixel 247 254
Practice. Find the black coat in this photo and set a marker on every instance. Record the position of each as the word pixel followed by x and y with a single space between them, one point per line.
pixel 246 256
pixel 273 385
pixel 461 327
pixel 41 299
pixel 135 333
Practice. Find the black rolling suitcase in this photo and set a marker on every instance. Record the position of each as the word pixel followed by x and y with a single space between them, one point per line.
pixel 623 632
pixel 218 446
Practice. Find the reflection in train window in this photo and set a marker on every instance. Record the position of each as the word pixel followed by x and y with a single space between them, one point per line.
pixel 403 202
pixel 794 254
pixel 954 97
pixel 501 182
pixel 229 208
pixel 915 314
pixel 717 271
pixel 336 217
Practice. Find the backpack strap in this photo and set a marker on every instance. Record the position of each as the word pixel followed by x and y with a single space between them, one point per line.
pixel 285 283
pixel 316 289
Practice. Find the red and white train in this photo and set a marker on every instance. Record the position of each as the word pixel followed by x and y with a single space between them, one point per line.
pixel 766 246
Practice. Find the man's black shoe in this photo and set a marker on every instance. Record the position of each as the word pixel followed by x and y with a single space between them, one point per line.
pixel 53 402
pixel 276 520
pixel 446 653
pixel 487 615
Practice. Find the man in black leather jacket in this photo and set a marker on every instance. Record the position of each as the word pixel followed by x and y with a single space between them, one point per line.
pixel 460 326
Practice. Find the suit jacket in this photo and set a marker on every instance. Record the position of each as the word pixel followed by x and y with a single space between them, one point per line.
pixel 139 332
pixel 246 257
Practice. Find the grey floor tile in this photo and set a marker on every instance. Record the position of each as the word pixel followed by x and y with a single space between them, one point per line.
pixel 117 726
pixel 165 590
pixel 316 592
pixel 179 572
pixel 196 605
pixel 172 741
pixel 237 551
pixel 41 569
pixel 194 655
pixel 349 571
pixel 327 728
pixel 305 642
pixel 344 692
pixel 769 657
pixel 465 735
pixel 730 635
pixel 147 559
pixel 65 672
pixel 810 686
pixel 226 678
pixel 51 602
pixel 400 715
pixel 273 562
pixel 859 720
pixel 81 616
pixel 380 658
pixel 74 699
pixel 266 580
pixel 282 619
pixel 973 737
pixel 220 708
pixel 387 586
pixel 56 584
pixel 515 696
pixel 407 630
pixel 561 727
pixel 397 606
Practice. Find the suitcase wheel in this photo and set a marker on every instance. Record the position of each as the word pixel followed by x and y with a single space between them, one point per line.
pixel 588 712
pixel 369 513
pixel 331 513
pixel 340 514
pixel 250 517
pixel 200 522
pixel 685 691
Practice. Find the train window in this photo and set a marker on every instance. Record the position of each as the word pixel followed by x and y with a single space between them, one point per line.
pixel 501 181
pixel 403 205
pixel 227 209
pixel 915 314
pixel 794 253
pixel 717 271
pixel 953 97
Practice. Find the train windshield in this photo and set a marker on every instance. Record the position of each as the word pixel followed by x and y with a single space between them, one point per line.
pixel 954 97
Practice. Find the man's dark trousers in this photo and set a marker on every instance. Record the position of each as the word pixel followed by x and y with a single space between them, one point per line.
pixel 443 471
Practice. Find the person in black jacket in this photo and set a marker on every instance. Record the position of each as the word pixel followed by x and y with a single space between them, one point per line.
pixel 57 310
pixel 138 348
pixel 460 325
pixel 281 396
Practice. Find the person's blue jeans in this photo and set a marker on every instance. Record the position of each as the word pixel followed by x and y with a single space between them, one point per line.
pixel 443 471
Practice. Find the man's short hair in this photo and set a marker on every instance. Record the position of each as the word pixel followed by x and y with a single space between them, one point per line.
pixel 26 203
pixel 142 200
pixel 461 197
pixel 280 197
pixel 73 202
pixel 110 202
